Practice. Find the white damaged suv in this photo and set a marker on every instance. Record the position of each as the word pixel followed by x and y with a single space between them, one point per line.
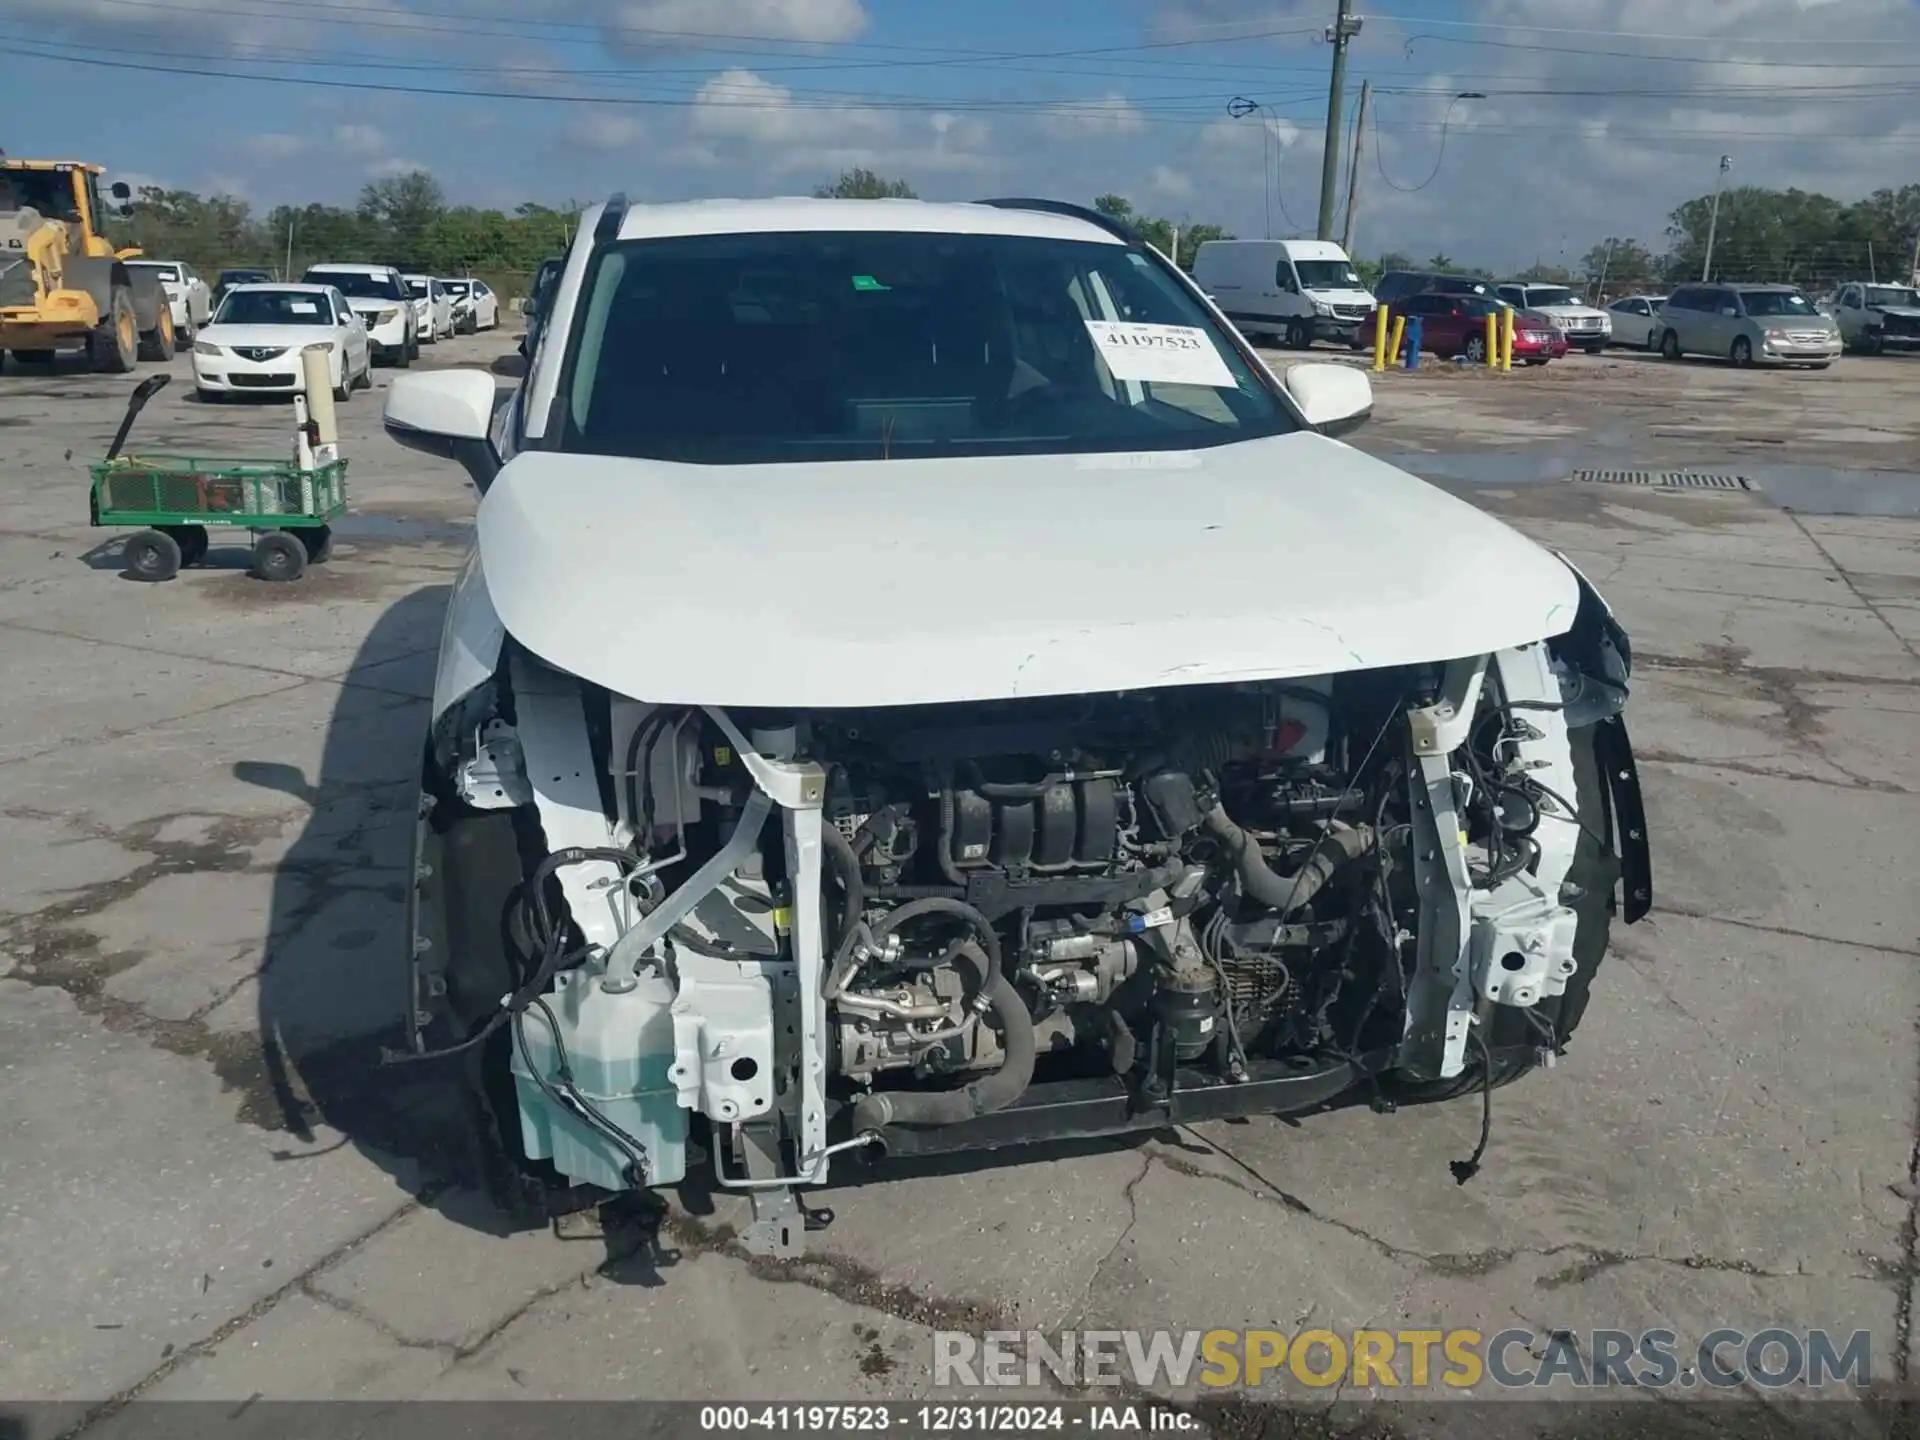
pixel 923 685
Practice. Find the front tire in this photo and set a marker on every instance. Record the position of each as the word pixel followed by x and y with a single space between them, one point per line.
pixel 1299 335
pixel 1670 345
pixel 114 344
pixel 279 556
pixel 157 343
pixel 1741 352
pixel 1477 349
pixel 151 556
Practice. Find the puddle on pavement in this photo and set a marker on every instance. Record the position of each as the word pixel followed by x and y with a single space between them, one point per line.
pixel 1808 489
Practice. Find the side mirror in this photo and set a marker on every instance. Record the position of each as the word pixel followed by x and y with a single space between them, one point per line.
pixel 446 414
pixel 1729 310
pixel 119 190
pixel 1335 399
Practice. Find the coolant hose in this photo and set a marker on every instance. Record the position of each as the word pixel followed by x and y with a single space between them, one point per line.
pixel 982 1097
pixel 1286 893
pixel 846 869
pixel 941 905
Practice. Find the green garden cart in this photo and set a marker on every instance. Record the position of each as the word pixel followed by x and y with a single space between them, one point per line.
pixel 179 500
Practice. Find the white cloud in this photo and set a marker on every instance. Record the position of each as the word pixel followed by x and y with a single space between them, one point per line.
pixel 604 130
pixel 271 146
pixel 670 23
pixel 1106 117
pixel 359 140
pixel 742 119
pixel 1171 183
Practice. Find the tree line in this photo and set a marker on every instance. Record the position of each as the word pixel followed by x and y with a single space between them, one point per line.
pixel 1792 236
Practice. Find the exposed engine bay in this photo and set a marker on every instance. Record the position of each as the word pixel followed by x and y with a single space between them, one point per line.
pixel 783 935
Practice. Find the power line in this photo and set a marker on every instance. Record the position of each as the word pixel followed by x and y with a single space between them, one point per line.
pixel 1662 138
pixel 1695 39
pixel 1640 55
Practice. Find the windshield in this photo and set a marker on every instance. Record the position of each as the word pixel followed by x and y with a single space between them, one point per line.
pixel 160 272
pixel 1892 295
pixel 242 277
pixel 801 346
pixel 1551 295
pixel 1777 302
pixel 1327 275
pixel 274 307
pixel 454 287
pixel 48 191
pixel 416 287
pixel 356 284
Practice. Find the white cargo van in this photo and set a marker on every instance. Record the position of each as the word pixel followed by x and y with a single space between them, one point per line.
pixel 1298 291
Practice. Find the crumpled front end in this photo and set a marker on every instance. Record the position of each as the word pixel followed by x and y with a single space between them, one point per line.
pixel 755 939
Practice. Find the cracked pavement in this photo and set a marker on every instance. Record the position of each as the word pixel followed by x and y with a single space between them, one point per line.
pixel 208 1191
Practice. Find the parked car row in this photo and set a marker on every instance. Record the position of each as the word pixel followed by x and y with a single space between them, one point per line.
pixel 249 338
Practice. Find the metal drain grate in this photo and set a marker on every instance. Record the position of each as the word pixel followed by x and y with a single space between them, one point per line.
pixel 1664 479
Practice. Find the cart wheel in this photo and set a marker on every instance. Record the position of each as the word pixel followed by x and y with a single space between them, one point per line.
pixel 152 555
pixel 279 556
pixel 192 540
pixel 318 540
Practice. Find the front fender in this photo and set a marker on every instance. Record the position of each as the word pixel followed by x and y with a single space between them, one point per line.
pixel 470 640
pixel 1596 656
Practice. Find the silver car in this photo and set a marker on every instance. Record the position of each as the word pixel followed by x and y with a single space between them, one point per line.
pixel 1749 325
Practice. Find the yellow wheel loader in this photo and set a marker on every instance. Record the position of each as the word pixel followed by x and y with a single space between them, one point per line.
pixel 62 283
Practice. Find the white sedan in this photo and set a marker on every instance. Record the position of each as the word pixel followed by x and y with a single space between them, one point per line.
pixel 475 306
pixel 187 295
pixel 257 334
pixel 1637 320
pixel 433 307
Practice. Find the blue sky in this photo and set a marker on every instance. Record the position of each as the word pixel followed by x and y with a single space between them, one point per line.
pixel 1599 115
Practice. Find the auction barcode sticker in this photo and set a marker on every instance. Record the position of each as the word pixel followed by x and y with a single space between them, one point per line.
pixel 1160 354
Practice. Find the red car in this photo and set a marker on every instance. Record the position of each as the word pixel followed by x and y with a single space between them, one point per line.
pixel 1457 325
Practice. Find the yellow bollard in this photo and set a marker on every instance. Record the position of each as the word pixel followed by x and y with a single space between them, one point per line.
pixel 1506 339
pixel 1493 339
pixel 1399 334
pixel 1380 338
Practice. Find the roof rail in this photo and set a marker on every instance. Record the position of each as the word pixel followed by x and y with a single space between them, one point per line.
pixel 1078 212
pixel 608 226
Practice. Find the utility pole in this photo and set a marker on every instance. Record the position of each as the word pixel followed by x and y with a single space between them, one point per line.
pixel 1345 26
pixel 1600 291
pixel 1713 223
pixel 288 272
pixel 1353 168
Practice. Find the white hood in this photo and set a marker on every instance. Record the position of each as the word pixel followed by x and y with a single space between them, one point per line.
pixel 1341 295
pixel 1568 311
pixel 911 582
pixel 1904 312
pixel 293 337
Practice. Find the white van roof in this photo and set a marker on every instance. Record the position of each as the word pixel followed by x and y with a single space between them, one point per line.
pixel 1292 249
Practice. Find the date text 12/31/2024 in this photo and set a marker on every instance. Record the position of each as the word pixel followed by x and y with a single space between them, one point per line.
pixel 948 1419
